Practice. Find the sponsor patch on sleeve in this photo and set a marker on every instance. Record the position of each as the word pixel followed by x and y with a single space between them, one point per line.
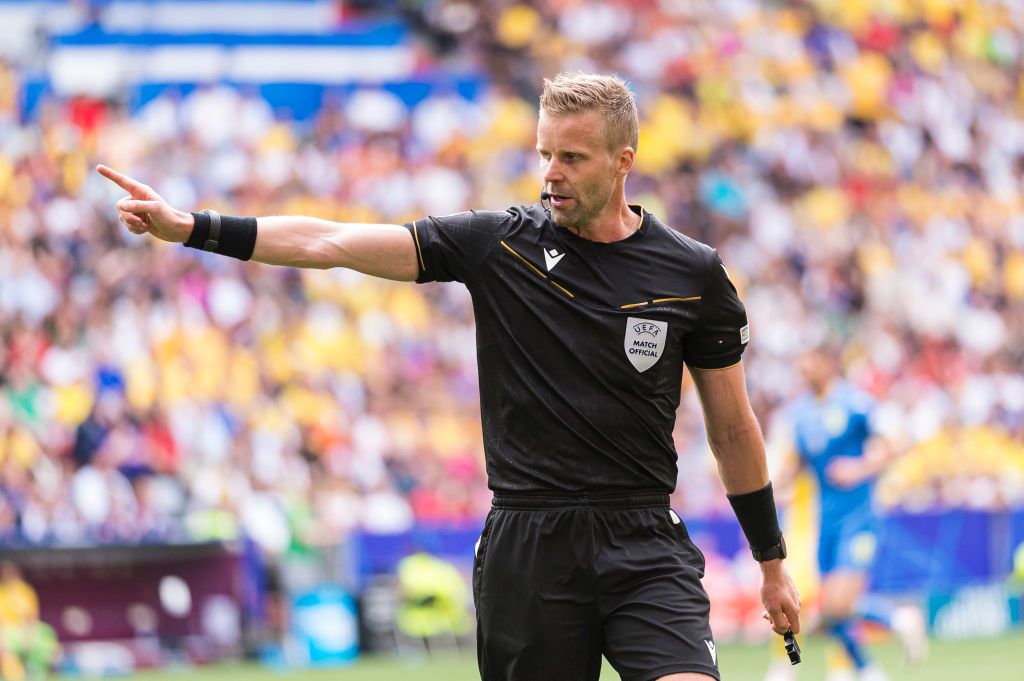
pixel 745 334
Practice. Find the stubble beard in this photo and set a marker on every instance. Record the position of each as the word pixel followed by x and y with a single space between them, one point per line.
pixel 584 211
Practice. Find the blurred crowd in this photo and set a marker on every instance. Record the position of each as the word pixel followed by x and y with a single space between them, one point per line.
pixel 28 646
pixel 858 165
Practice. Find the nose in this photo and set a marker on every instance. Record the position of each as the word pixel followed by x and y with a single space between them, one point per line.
pixel 552 171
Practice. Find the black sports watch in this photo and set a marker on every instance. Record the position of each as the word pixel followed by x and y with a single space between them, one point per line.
pixel 770 553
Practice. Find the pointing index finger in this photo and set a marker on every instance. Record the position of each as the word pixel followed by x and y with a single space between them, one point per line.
pixel 136 189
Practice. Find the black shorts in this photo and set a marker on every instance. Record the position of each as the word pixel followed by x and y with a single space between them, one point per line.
pixel 558 582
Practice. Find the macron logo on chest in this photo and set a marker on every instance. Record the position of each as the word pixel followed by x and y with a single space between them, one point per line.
pixel 552 257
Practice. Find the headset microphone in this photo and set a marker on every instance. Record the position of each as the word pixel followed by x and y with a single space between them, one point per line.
pixel 545 196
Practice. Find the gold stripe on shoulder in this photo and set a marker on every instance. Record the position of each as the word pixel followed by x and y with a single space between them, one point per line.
pixel 659 300
pixel 536 271
pixel 419 251
pixel 675 300
pixel 525 261
pixel 560 288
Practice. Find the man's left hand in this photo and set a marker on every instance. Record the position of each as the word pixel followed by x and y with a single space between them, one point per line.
pixel 779 597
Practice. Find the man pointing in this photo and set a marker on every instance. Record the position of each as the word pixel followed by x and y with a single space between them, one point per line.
pixel 587 309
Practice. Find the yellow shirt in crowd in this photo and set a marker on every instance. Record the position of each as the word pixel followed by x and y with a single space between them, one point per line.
pixel 18 603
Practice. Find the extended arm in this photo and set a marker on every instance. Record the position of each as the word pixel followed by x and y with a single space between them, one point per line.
pixel 386 251
pixel 381 250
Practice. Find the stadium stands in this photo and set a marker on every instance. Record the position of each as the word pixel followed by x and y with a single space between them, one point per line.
pixel 858 164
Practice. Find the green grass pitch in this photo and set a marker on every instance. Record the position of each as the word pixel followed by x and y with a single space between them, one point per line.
pixel 996 659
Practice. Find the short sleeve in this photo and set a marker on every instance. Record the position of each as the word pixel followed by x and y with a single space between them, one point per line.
pixel 452 247
pixel 720 334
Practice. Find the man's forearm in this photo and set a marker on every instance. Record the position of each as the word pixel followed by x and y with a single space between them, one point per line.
pixel 742 466
pixel 739 451
pixel 293 240
pixel 380 250
pixel 880 454
pixel 736 441
pixel 733 432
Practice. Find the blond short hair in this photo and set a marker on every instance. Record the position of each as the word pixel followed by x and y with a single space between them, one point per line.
pixel 569 93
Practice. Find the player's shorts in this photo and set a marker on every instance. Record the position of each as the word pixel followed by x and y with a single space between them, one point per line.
pixel 558 582
pixel 848 542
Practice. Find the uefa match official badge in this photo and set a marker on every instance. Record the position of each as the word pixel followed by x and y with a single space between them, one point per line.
pixel 644 342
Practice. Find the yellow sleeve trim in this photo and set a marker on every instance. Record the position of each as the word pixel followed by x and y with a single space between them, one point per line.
pixel 419 251
pixel 626 307
pixel 737 363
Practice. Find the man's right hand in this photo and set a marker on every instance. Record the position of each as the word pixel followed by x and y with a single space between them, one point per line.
pixel 143 210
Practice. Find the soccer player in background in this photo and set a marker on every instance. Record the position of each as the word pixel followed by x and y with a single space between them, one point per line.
pixel 587 309
pixel 834 438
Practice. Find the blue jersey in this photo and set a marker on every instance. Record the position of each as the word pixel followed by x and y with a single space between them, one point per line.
pixel 836 426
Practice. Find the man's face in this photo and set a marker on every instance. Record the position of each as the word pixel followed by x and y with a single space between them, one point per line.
pixel 816 370
pixel 579 170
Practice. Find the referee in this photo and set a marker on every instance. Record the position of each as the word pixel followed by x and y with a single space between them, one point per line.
pixel 587 308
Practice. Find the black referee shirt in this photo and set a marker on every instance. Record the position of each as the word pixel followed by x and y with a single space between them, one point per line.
pixel 581 345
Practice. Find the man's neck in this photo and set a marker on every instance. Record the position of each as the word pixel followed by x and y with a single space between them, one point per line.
pixel 616 222
pixel 823 390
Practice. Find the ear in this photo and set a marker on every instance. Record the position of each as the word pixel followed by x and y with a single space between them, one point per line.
pixel 624 161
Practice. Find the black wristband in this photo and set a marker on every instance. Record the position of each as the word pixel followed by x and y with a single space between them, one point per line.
pixel 200 231
pixel 223 234
pixel 759 520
